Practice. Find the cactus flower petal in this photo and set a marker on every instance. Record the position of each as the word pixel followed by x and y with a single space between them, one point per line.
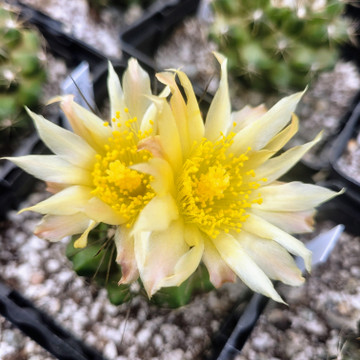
pixel 57 227
pixel 219 271
pixel 244 266
pixel 124 243
pixel 157 257
pixel 272 258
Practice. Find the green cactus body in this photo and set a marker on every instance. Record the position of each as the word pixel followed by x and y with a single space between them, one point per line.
pixel 21 74
pixel 98 261
pixel 279 45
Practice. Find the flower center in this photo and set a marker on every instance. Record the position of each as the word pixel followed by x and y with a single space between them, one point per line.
pixel 126 190
pixel 212 184
pixel 215 187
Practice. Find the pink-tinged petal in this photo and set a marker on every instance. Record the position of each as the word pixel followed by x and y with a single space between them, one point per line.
pixel 219 114
pixel 246 116
pixel 97 209
pixel 85 123
pixel 272 258
pixel 137 89
pixel 293 196
pixel 169 134
pixel 116 94
pixel 81 242
pixel 51 168
pixel 71 147
pixel 157 254
pixel 244 266
pixel 261 131
pixel 57 227
pixel 157 214
pixel 219 271
pixel 160 169
pixel 278 166
pixel 69 201
pixel 261 228
pixel 297 222
pixel 124 243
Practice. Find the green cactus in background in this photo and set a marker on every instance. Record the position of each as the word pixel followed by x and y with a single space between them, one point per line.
pixel 21 73
pixel 279 45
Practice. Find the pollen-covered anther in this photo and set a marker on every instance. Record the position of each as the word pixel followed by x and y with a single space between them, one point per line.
pixel 214 190
pixel 126 190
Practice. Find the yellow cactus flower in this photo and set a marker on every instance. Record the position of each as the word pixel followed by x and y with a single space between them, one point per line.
pixel 90 173
pixel 231 212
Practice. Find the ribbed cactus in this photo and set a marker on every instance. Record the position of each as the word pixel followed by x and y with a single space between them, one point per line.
pixel 279 45
pixel 21 72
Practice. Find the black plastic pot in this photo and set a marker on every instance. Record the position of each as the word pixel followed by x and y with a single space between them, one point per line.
pixel 339 178
pixel 142 39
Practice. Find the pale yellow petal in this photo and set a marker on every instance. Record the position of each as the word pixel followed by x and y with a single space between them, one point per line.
pixel 137 89
pixel 169 135
pixel 157 253
pixel 297 222
pixel 292 196
pixel 244 267
pixel 85 123
pixel 51 168
pixel 81 242
pixel 71 147
pixel 96 209
pixel 194 118
pixel 261 131
pixel 157 214
pixel 261 228
pixel 284 136
pixel 178 108
pixel 116 95
pixel 69 201
pixel 247 115
pixel 160 169
pixel 124 243
pixel 278 166
pixel 272 258
pixel 185 267
pixel 57 227
pixel 219 271
pixel 149 122
pixel 219 114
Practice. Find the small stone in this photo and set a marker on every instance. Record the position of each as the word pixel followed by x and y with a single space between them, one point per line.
pixel 52 265
pixel 110 350
pixel 143 336
pixel 279 319
pixel 37 278
pixel 262 342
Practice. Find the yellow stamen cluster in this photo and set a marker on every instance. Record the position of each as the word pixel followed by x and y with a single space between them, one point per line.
pixel 126 190
pixel 215 187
